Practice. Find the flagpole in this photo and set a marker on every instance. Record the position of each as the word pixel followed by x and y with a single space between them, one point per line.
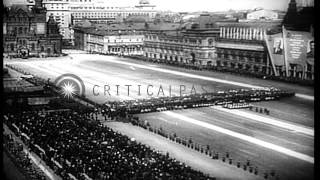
pixel 270 55
pixel 285 50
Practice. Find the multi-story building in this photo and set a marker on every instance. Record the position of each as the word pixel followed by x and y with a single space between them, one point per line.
pixel 261 48
pixel 120 39
pixel 59 10
pixel 185 44
pixel 291 53
pixel 185 47
pixel 263 14
pixel 27 32
pixel 103 13
pixel 69 12
pixel 241 47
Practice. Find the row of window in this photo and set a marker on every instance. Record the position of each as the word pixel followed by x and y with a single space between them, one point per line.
pixel 106 14
pixel 85 7
pixel 200 55
pixel 126 40
pixel 256 59
pixel 11 46
pixel 56 7
pixel 165 56
pixel 129 49
pixel 58 13
pixel 189 41
pixel 117 49
pixel 18 19
pixel 32 46
pixel 19 30
pixel 254 68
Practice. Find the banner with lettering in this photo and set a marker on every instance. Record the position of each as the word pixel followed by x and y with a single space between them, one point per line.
pixel 299 47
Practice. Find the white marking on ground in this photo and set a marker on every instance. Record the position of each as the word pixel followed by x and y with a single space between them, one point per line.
pixel 304 96
pixel 250 139
pixel 131 67
pixel 162 119
pixel 267 120
pixel 152 65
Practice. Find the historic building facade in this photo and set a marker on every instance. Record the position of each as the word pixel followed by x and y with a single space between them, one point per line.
pixel 185 47
pixel 117 39
pixel 27 33
pixel 69 12
pixel 59 10
pixel 192 44
pixel 241 48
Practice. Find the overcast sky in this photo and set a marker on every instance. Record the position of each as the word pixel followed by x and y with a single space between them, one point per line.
pixel 204 5
pixel 219 5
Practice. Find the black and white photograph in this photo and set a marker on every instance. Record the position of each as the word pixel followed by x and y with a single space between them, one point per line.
pixel 278 46
pixel 158 90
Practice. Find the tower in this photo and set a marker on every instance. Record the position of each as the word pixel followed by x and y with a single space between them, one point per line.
pixel 292 14
pixel 38 3
pixel 292 6
pixel 38 7
pixel 52 26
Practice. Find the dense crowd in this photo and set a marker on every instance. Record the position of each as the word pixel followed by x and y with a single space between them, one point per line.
pixel 194 100
pixel 81 148
pixel 238 72
pixel 21 160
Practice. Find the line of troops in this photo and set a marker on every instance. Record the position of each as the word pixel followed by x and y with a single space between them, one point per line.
pixel 237 99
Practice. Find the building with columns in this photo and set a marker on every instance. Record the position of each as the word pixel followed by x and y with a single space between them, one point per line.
pixel 240 47
pixel 284 49
pixel 117 39
pixel 181 48
pixel 27 33
pixel 192 44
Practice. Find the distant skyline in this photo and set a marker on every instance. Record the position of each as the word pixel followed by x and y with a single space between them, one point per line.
pixel 203 5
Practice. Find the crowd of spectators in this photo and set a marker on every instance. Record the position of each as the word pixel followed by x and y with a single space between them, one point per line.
pixel 234 71
pixel 79 147
pixel 21 160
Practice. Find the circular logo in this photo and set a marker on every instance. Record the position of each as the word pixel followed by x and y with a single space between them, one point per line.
pixel 70 85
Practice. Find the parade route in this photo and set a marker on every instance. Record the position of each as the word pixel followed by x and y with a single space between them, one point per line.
pixel 243 137
pixel 191 157
pixel 268 143
pixel 267 120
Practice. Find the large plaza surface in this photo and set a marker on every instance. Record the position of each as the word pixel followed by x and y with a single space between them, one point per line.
pixel 97 71
pixel 240 150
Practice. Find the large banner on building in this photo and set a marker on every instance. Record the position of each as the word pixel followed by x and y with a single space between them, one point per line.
pixel 299 47
pixel 276 49
pixel 291 48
